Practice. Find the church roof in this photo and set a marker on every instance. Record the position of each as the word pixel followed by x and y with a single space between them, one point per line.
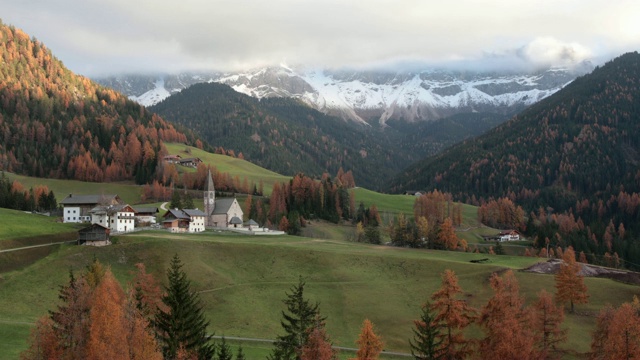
pixel 210 186
pixel 223 205
pixel 235 221
pixel 194 212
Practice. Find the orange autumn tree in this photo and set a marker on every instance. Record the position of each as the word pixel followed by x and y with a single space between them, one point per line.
pixel 455 315
pixel 570 285
pixel 617 334
pixel 96 321
pixel 547 318
pixel 506 322
pixel 318 346
pixel 369 344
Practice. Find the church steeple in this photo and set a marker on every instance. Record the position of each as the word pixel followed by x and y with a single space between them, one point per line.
pixel 209 199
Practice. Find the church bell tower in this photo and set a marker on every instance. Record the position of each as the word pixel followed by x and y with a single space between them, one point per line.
pixel 209 200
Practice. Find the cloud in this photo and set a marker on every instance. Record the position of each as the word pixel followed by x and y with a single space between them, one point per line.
pixel 93 37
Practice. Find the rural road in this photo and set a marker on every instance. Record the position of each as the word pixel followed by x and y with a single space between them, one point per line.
pixel 164 206
pixel 37 246
pixel 335 347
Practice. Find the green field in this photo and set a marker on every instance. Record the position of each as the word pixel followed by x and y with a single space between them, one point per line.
pixel 242 281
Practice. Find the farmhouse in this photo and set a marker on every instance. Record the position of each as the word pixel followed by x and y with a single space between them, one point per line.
pixel 190 162
pixel 95 235
pixel 77 207
pixel 145 215
pixel 506 235
pixel 186 220
pixel 118 218
pixel 172 159
pixel 221 213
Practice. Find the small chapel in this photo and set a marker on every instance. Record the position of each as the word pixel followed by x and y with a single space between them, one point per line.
pixel 221 213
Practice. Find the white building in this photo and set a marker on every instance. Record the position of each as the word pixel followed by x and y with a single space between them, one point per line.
pixel 77 207
pixel 118 218
pixel 187 220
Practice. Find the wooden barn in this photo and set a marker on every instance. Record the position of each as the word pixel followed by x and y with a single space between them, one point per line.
pixel 94 235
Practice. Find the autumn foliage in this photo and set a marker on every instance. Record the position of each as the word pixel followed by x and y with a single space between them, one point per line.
pixel 369 344
pixel 570 285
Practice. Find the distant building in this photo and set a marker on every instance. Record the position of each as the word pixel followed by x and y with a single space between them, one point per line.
pixel 77 207
pixel 221 212
pixel 506 235
pixel 186 220
pixel 190 162
pixel 95 235
pixel 413 193
pixel 172 159
pixel 145 215
pixel 118 218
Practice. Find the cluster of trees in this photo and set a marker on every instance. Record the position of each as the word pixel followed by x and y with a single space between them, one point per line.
pixel 13 195
pixel 97 319
pixel 56 124
pixel 502 214
pixel 433 225
pixel 161 190
pixel 511 329
pixel 368 223
pixel 305 198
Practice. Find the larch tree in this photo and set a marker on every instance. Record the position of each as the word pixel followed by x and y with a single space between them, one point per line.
pixel 617 335
pixel 454 314
pixel 369 344
pixel 318 346
pixel 427 336
pixel 570 285
pixel 447 237
pixel 297 320
pixel 547 321
pixel 505 322
pixel 183 324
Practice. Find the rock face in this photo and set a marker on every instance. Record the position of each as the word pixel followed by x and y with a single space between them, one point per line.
pixel 372 96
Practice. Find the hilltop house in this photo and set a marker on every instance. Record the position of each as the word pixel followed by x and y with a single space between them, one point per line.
pixel 186 220
pixel 77 207
pixel 190 162
pixel 118 218
pixel 506 235
pixel 221 213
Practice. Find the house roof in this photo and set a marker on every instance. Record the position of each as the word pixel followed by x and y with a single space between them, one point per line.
pixel 235 221
pixel 223 205
pixel 145 210
pixel 194 212
pixel 111 209
pixel 252 222
pixel 92 227
pixel 176 213
pixel 88 199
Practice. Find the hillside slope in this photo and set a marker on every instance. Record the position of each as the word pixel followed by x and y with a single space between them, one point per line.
pixel 56 124
pixel 287 136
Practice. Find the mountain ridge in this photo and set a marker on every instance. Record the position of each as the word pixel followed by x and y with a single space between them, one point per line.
pixel 371 96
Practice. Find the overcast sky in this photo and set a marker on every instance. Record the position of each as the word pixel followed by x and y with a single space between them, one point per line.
pixel 126 36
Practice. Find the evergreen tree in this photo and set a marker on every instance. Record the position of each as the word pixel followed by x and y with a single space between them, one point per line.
pixel 176 201
pixel 240 354
pixel 427 338
pixel 297 322
pixel 224 351
pixel 183 324
pixel 187 201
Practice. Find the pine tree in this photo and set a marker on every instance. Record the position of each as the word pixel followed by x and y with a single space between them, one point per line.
pixel 569 283
pixel 183 324
pixel 240 354
pixel 224 351
pixel 297 320
pixel 427 337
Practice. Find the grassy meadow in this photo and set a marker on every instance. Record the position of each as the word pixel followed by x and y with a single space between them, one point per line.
pixel 242 281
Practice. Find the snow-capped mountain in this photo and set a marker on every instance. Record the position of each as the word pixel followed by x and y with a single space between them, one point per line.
pixel 370 96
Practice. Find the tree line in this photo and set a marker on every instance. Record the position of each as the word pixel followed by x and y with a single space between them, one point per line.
pixel 14 196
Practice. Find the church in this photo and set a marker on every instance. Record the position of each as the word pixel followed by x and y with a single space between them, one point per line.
pixel 221 213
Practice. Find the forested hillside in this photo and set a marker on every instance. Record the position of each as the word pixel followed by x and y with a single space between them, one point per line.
pixel 573 159
pixel 56 124
pixel 289 137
